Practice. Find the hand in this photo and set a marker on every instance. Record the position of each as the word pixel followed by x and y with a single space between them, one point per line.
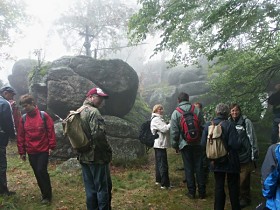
pixel 50 151
pixel 23 157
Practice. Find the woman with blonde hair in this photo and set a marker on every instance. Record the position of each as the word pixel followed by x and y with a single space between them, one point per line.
pixel 158 126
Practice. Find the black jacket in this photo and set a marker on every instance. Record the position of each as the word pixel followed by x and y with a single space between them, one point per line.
pixel 230 137
pixel 7 128
pixel 274 100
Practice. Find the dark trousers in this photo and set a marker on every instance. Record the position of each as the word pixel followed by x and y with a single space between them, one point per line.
pixel 98 186
pixel 3 170
pixel 39 164
pixel 161 166
pixel 192 158
pixel 233 187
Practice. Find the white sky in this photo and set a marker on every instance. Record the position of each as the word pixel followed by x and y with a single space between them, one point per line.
pixel 39 34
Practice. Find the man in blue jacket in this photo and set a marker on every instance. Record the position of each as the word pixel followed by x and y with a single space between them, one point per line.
pixel 271 176
pixel 7 130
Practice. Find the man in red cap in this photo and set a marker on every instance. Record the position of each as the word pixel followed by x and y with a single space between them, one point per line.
pixel 95 161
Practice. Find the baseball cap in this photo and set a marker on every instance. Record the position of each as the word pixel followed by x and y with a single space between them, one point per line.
pixel 8 89
pixel 96 91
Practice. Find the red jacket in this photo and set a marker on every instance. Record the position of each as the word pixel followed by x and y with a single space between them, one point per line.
pixel 33 135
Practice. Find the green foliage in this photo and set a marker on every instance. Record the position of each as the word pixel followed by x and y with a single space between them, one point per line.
pixel 139 113
pixel 242 35
pixel 39 72
pixel 12 14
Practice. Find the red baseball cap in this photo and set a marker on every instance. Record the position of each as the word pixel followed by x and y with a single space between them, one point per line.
pixel 96 91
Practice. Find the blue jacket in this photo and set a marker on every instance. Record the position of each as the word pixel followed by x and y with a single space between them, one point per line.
pixel 7 128
pixel 271 177
pixel 230 137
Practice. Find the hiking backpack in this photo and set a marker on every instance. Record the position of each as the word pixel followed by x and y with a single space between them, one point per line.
pixel 145 135
pixel 215 147
pixel 72 127
pixel 189 123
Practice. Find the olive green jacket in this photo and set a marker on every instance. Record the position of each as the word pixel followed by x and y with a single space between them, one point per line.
pixel 94 127
pixel 176 138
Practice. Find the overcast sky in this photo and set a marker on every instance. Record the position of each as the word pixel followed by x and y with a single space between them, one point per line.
pixel 39 34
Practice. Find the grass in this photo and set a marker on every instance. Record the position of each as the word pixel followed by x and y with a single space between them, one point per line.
pixel 133 187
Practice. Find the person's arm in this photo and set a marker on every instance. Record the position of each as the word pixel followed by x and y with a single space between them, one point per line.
pixel 157 124
pixel 270 172
pixel 233 140
pixel 50 131
pixel 21 140
pixel 8 125
pixel 174 131
pixel 253 139
pixel 97 128
pixel 204 135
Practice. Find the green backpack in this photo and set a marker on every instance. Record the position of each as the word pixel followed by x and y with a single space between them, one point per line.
pixel 72 128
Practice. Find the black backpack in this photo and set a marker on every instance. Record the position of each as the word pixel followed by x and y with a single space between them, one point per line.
pixel 145 135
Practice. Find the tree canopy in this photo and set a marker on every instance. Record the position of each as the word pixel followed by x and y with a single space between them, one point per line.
pixel 12 14
pixel 242 35
pixel 105 23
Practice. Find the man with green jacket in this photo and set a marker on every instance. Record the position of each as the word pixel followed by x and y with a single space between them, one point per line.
pixel 95 161
pixel 191 152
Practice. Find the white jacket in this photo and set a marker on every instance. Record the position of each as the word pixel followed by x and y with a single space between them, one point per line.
pixel 158 124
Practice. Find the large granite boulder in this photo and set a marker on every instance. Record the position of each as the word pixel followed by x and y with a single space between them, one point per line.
pixel 122 136
pixel 19 78
pixel 167 96
pixel 66 90
pixel 67 80
pixel 115 77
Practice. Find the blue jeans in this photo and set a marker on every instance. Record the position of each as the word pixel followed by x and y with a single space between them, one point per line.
pixel 275 129
pixel 162 175
pixel 192 158
pixel 98 186
pixel 3 170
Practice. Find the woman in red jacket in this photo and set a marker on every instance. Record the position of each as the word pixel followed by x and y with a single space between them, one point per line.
pixel 36 137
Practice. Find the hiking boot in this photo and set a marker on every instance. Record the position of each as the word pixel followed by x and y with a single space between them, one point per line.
pixel 45 201
pixel 166 188
pixel 190 195
pixel 202 196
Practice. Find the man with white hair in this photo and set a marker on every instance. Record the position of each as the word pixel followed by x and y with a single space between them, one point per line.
pixel 274 100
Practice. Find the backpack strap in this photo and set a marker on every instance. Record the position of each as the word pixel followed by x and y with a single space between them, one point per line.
pixel 180 110
pixel 42 115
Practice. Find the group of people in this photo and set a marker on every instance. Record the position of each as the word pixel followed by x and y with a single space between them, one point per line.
pixel 36 140
pixel 240 141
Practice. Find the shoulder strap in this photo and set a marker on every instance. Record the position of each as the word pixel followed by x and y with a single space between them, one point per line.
pixel 23 118
pixel 42 114
pixel 191 109
pixel 81 108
